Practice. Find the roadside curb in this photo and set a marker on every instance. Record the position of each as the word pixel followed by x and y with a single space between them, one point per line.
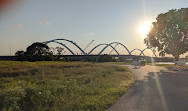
pixel 178 68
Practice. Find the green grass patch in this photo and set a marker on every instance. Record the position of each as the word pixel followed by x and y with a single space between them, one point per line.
pixel 155 64
pixel 61 86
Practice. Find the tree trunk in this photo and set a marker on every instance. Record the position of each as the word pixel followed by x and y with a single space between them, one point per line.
pixel 177 57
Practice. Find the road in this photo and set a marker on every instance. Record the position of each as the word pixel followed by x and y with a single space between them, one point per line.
pixel 155 89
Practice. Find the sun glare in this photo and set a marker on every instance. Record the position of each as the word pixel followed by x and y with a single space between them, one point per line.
pixel 145 28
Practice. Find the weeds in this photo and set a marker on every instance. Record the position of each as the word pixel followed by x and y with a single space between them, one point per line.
pixel 61 86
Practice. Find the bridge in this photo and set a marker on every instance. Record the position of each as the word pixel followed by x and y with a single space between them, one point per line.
pixel 130 53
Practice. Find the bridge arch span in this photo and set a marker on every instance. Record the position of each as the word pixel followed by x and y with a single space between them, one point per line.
pixel 114 48
pixel 63 46
pixel 103 49
pixel 46 42
pixel 149 49
pixel 105 46
pixel 138 50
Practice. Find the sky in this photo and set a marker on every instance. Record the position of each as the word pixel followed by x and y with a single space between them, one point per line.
pixel 81 21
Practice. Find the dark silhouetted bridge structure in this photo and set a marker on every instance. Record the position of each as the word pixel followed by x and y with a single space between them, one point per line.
pixel 127 54
pixel 60 41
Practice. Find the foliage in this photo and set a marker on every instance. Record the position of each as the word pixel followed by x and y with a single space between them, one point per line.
pixel 62 86
pixel 59 50
pixel 169 33
pixel 20 56
pixel 38 51
pixel 35 52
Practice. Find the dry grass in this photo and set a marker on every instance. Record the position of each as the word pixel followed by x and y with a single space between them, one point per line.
pixel 61 85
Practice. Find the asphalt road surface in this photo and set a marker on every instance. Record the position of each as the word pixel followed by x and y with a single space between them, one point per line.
pixel 155 89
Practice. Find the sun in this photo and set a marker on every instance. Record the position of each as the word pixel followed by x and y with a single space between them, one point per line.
pixel 145 28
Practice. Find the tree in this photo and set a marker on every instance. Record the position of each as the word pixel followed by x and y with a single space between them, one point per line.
pixel 38 52
pixel 169 34
pixel 20 56
pixel 52 49
pixel 59 50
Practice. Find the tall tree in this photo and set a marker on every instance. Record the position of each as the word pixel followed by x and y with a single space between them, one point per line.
pixel 38 51
pixel 169 33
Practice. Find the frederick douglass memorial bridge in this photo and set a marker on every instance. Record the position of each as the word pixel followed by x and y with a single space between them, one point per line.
pixel 96 48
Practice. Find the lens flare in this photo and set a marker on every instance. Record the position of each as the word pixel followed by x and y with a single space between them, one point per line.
pixel 145 28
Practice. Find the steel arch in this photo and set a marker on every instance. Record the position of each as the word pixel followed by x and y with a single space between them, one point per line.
pixel 115 43
pixel 67 41
pixel 150 49
pixel 106 46
pixel 100 45
pixel 63 46
pixel 138 50
pixel 113 49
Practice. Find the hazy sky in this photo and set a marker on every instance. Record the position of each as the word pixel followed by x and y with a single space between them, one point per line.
pixel 104 21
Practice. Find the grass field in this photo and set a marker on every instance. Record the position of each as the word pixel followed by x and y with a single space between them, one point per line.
pixel 61 86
